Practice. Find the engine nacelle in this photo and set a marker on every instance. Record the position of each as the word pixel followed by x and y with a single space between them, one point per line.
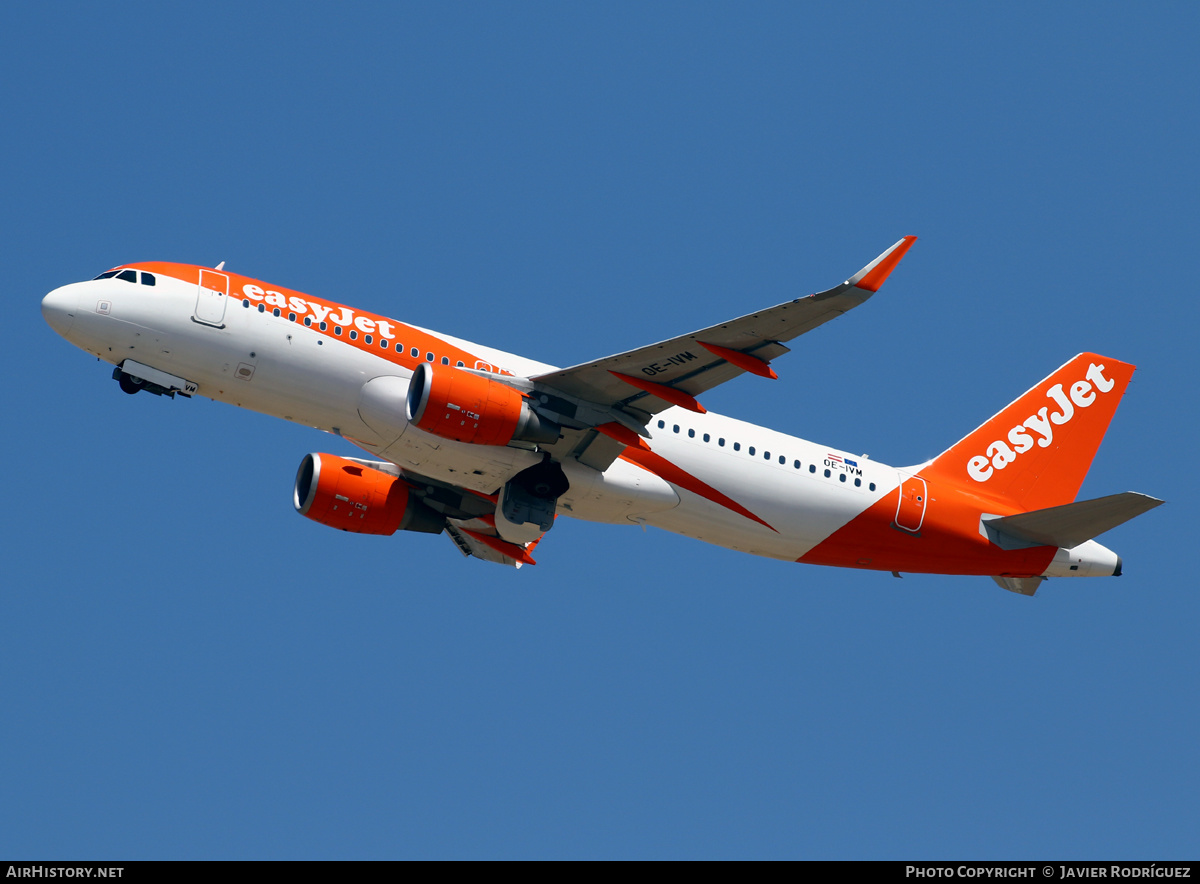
pixel 465 407
pixel 346 494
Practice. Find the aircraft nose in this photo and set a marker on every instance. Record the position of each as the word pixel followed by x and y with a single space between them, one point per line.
pixel 59 308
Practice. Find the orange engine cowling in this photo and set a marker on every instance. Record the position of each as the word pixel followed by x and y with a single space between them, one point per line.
pixel 465 407
pixel 349 495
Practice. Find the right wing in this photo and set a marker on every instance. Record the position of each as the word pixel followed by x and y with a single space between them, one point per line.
pixel 686 365
pixel 600 404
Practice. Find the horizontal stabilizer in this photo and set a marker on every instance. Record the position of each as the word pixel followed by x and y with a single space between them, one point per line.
pixel 1068 525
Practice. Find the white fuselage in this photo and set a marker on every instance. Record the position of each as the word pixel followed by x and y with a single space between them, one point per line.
pixel 717 479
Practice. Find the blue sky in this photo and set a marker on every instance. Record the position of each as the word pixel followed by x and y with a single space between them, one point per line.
pixel 189 669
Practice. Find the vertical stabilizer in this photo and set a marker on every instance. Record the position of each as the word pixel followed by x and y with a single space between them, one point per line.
pixel 1036 452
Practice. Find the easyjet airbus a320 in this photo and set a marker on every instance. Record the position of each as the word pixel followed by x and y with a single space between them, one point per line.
pixel 490 447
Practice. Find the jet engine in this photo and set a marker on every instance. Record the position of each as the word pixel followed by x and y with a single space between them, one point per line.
pixel 465 407
pixel 346 494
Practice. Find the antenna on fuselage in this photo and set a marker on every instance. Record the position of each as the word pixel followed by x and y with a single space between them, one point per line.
pixel 220 266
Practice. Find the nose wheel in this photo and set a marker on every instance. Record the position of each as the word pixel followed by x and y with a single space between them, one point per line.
pixel 129 384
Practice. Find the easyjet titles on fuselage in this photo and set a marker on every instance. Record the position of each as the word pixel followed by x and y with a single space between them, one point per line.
pixel 342 316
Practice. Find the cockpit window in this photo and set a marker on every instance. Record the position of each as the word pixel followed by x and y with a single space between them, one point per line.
pixel 128 275
pixel 107 275
pixel 147 278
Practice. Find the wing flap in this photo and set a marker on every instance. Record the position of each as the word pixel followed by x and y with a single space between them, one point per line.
pixel 477 537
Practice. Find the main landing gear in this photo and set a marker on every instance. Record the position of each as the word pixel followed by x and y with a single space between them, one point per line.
pixel 528 501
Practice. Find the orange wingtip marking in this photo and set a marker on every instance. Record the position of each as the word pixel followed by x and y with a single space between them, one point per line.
pixel 663 392
pixel 512 550
pixel 873 280
pixel 622 434
pixel 744 361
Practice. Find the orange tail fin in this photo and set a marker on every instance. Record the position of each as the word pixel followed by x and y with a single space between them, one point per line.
pixel 1036 452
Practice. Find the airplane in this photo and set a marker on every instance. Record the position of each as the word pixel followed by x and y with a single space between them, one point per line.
pixel 490 447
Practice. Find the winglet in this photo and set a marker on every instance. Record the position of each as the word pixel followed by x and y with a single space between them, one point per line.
pixel 873 275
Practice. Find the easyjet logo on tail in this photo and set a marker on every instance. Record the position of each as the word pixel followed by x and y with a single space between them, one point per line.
pixel 1041 424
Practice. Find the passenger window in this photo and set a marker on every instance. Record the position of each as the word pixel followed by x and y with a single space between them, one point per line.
pixel 707 437
pixel 462 364
pixel 324 325
pixel 766 455
pixel 429 357
pixel 721 442
pixel 246 303
pixel 337 329
pixel 383 343
pixel 676 428
pixel 812 467
pixel 872 486
pixel 841 477
pixel 415 352
pixel 445 360
pixel 262 308
pixel 308 321
pixel 147 278
pixel 827 474
pixel 275 312
pixel 796 464
pixel 858 483
pixel 367 339
pixel 353 335
pixel 737 446
pixel 128 275
pixel 751 450
pixel 691 434
pixel 291 317
pixel 782 459
pixel 661 424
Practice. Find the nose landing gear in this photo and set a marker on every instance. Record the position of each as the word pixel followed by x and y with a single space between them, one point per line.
pixel 134 377
pixel 128 383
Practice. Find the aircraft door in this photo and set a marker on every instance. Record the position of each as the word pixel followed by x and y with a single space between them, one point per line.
pixel 211 296
pixel 910 511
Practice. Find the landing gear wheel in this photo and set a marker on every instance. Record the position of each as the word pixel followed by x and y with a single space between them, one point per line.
pixel 130 384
